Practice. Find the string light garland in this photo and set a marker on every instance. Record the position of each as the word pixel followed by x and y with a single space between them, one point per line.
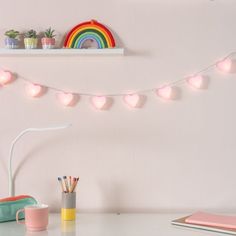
pixel 196 81
pixel 99 102
pixel 165 92
pixel 34 90
pixel 224 65
pixel 66 99
pixel 5 77
pixel 132 100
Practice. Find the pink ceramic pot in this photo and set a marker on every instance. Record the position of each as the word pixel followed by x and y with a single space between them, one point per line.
pixel 48 43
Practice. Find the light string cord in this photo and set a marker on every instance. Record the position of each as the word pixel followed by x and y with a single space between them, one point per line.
pixel 176 82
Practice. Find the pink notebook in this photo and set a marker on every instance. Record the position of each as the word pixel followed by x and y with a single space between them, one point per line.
pixel 202 218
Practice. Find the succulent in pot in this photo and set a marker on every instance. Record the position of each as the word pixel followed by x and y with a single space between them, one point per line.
pixel 30 39
pixel 48 41
pixel 11 41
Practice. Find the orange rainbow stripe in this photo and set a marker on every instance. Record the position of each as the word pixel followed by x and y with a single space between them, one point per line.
pixel 89 30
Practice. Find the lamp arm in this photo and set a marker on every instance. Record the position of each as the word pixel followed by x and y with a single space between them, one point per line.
pixel 22 133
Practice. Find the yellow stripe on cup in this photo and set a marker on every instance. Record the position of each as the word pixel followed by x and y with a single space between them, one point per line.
pixel 68 213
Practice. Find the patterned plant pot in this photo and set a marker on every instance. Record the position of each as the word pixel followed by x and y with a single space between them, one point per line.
pixel 11 43
pixel 31 43
pixel 48 43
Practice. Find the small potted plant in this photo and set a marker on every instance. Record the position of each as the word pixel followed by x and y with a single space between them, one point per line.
pixel 48 41
pixel 30 39
pixel 11 41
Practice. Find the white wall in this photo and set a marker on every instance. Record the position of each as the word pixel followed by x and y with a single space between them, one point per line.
pixel 165 157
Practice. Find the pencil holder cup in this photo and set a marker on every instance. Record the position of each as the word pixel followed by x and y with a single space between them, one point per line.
pixel 68 206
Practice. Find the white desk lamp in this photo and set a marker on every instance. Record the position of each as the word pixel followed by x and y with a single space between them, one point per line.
pixel 10 205
pixel 11 185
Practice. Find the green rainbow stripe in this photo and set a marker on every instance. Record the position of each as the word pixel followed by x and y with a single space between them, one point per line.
pixel 89 35
pixel 80 43
pixel 94 32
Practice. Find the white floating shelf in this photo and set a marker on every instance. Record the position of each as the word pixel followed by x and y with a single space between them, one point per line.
pixel 61 52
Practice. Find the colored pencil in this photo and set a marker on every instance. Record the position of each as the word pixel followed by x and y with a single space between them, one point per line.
pixel 70 182
pixel 77 180
pixel 66 183
pixel 73 185
pixel 60 181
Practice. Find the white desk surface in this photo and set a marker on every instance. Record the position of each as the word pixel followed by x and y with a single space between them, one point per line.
pixel 108 225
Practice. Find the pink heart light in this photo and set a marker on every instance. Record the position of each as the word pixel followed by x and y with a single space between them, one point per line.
pixel 165 92
pixel 66 99
pixel 195 81
pixel 224 65
pixel 34 90
pixel 5 77
pixel 132 100
pixel 99 101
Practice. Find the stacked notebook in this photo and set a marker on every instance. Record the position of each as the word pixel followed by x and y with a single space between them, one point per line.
pixel 210 222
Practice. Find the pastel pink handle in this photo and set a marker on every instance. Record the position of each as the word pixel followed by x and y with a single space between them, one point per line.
pixel 17 216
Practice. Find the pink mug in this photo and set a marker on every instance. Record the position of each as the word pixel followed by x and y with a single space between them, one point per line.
pixel 36 217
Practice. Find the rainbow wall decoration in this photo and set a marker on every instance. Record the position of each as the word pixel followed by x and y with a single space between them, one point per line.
pixel 89 30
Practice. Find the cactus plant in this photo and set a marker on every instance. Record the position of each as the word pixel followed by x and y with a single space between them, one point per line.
pixel 49 33
pixel 31 34
pixel 13 34
pixel 30 39
pixel 11 40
